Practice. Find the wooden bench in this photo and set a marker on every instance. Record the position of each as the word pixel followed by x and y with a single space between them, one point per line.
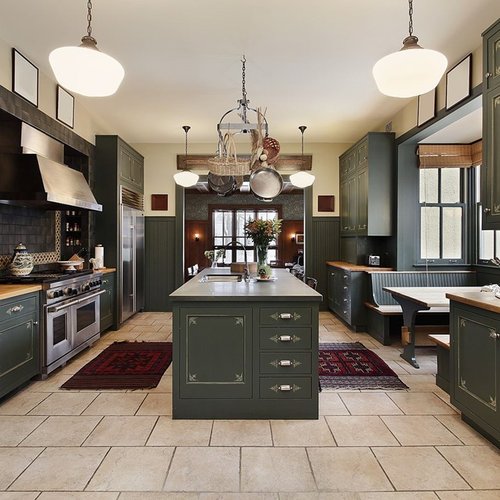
pixel 443 361
pixel 384 314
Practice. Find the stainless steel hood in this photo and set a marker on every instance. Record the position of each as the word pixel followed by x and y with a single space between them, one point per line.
pixel 33 180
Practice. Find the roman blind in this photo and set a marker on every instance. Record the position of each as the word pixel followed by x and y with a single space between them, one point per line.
pixel 450 155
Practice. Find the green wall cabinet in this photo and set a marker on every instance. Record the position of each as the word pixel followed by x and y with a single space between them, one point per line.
pixel 107 301
pixel 491 128
pixel 19 341
pixel 131 167
pixel 475 367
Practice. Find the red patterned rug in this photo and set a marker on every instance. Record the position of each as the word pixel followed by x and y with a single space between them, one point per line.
pixel 353 366
pixel 124 365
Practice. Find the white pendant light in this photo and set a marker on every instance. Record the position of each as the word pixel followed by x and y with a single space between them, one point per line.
pixel 411 71
pixel 186 178
pixel 85 69
pixel 302 179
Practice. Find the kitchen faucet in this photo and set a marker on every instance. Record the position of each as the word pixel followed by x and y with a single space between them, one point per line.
pixel 246 274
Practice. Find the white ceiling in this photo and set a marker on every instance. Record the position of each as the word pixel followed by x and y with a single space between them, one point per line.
pixel 309 62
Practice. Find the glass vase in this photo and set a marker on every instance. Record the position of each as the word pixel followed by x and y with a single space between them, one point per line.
pixel 214 264
pixel 261 255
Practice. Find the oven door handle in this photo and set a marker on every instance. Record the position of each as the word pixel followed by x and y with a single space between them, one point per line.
pixel 74 302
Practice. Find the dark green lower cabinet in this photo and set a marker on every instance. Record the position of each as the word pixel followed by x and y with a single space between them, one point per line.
pixel 475 366
pixel 19 341
pixel 107 308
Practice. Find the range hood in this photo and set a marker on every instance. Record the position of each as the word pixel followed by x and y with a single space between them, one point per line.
pixel 40 180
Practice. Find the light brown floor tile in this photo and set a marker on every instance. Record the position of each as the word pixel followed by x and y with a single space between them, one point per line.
pixel 156 404
pixel 331 404
pixel 21 403
pixel 320 496
pixel 168 432
pixel 275 469
pixel 62 431
pixel 469 495
pixel 121 335
pixel 239 496
pixel 347 469
pixel 156 336
pixel 399 495
pixel 369 404
pixel 51 384
pixel 64 403
pixel 463 431
pixel 121 431
pixel 421 403
pixel 420 383
pixel 164 386
pixel 395 367
pixel 18 495
pixel 14 461
pixel 301 433
pixel 132 469
pixel 115 404
pixel 14 429
pixel 241 433
pixel 77 495
pixel 60 469
pixel 360 431
pixel 478 465
pixel 204 470
pixel 419 430
pixel 417 468
pixel 164 495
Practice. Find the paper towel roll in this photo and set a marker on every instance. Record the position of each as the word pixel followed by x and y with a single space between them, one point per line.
pixel 99 256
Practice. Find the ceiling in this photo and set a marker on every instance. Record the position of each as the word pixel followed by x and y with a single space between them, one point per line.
pixel 308 62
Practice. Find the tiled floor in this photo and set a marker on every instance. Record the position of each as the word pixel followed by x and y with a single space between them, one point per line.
pixel 104 445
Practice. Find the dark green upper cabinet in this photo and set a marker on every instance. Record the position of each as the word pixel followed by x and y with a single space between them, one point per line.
pixel 366 184
pixel 131 167
pixel 491 133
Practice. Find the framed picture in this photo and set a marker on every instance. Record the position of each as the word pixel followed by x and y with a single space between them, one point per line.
pixel 426 107
pixel 458 82
pixel 299 238
pixel 65 107
pixel 24 78
pixel 326 203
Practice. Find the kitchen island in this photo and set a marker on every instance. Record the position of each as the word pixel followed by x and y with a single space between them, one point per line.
pixel 245 350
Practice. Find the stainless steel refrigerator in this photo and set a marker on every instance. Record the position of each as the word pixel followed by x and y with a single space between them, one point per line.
pixel 132 261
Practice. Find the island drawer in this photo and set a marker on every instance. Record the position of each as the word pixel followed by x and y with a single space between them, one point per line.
pixel 285 363
pixel 296 339
pixel 285 387
pixel 285 316
pixel 13 308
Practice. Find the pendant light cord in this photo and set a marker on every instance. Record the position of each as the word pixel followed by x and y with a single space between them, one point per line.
pixel 89 18
pixel 410 12
pixel 302 129
pixel 186 130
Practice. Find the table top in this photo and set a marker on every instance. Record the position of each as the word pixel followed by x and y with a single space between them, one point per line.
pixel 429 296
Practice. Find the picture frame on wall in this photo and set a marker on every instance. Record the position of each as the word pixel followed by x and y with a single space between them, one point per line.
pixel 24 78
pixel 299 238
pixel 65 104
pixel 458 82
pixel 426 107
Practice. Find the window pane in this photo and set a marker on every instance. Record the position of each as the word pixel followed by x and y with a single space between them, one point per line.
pixel 478 183
pixel 486 244
pixel 429 232
pixel 497 246
pixel 450 185
pixel 428 185
pixel 452 232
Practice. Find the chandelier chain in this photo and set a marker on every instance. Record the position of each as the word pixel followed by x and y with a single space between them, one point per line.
pixel 243 79
pixel 89 17
pixel 410 11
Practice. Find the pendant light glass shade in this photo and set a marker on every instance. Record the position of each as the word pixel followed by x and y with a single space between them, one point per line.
pixel 186 178
pixel 302 179
pixel 86 70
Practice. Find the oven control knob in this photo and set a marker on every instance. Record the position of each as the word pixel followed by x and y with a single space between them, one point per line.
pixel 86 288
pixel 69 291
pixel 51 294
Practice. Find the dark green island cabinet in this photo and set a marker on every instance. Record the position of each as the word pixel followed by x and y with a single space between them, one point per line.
pixel 475 360
pixel 245 350
pixel 19 341
pixel 107 309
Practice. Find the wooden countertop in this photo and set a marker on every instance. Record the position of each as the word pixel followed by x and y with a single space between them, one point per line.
pixel 481 300
pixel 106 270
pixel 9 291
pixel 355 267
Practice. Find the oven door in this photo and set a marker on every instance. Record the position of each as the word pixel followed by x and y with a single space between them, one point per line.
pixel 59 327
pixel 86 318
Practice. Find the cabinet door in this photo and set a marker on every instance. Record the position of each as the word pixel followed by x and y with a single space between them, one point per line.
pixel 107 301
pixel 137 170
pixel 491 48
pixel 125 165
pixel 352 189
pixel 344 207
pixel 476 364
pixel 331 288
pixel 362 154
pixel 216 353
pixel 362 202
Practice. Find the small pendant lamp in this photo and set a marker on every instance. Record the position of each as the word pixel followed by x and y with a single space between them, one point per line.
pixel 302 179
pixel 411 71
pixel 85 69
pixel 186 178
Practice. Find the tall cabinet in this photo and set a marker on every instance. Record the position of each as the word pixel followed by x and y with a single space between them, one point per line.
pixel 491 131
pixel 119 186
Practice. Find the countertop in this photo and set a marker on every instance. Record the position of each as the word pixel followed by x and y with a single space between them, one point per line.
pixel 106 270
pixel 9 291
pixel 286 287
pixel 481 300
pixel 355 267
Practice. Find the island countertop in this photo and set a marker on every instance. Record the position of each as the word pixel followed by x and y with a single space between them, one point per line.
pixel 481 300
pixel 285 288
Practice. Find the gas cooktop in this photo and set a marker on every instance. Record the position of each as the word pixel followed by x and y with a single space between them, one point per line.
pixel 48 276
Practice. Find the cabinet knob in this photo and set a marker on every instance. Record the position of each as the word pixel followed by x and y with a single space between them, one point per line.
pixel 486 210
pixel 345 288
pixel 494 335
pixel 15 309
pixel 285 362
pixel 35 323
pixel 487 75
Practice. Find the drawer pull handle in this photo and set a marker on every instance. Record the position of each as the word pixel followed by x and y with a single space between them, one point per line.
pixel 285 316
pixel 285 338
pixel 15 309
pixel 285 388
pixel 285 362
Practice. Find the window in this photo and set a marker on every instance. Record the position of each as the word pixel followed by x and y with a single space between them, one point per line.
pixel 489 240
pixel 228 224
pixel 442 215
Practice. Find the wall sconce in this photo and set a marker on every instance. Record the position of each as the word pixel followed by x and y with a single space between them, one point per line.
pixel 196 237
pixel 293 237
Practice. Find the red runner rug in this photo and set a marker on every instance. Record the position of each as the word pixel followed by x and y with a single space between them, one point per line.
pixel 353 366
pixel 124 365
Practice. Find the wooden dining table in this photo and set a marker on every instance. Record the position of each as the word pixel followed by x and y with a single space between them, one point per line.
pixel 417 299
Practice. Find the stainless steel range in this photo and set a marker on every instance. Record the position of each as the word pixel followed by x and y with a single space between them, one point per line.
pixel 70 312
